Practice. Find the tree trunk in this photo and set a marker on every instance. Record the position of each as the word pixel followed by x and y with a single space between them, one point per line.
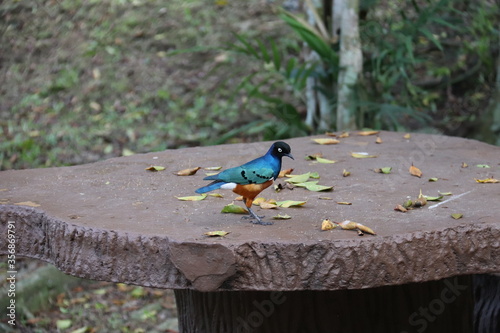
pixel 350 64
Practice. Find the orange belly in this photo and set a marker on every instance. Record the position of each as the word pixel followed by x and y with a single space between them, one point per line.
pixel 250 191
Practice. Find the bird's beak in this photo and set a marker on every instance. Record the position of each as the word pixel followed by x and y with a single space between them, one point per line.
pixel 290 155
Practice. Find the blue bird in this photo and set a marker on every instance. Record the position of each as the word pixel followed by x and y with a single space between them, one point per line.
pixel 251 178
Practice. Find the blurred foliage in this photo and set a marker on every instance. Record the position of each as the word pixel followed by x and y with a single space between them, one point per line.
pixel 86 80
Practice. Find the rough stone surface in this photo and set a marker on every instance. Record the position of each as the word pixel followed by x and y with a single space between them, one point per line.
pixel 115 221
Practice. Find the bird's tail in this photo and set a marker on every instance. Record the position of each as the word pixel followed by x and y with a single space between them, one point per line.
pixel 210 187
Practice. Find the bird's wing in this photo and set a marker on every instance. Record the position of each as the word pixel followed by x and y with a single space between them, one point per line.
pixel 246 175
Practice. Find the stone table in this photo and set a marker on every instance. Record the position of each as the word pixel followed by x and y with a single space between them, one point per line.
pixel 115 221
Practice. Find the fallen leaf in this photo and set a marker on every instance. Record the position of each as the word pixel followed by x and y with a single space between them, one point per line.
pixel 378 140
pixel 401 209
pixel 314 186
pixel 268 205
pixel 326 224
pixel 385 170
pixel 28 203
pixel 299 178
pixel 282 217
pixel 63 324
pixel 187 172
pixel 314 175
pixel 346 173
pixel 433 198
pixel 220 233
pixel 366 133
pixel 283 173
pixel 420 201
pixel 364 228
pixel 216 168
pixel 415 171
pixel 445 193
pixel 331 134
pixel 362 155
pixel 258 201
pixel 344 135
pixel 328 141
pixel 408 203
pixel 434 179
pixel 290 203
pixel 487 180
pixel 457 216
pixel 324 160
pixel 217 195
pixel 344 203
pixel 347 225
pixel 464 165
pixel 155 168
pixel 211 173
pixel 486 166
pixel 325 198
pixel 314 156
pixel 234 209
pixel 407 136
pixel 193 197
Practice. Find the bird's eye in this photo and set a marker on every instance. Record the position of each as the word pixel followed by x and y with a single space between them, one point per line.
pixel 280 150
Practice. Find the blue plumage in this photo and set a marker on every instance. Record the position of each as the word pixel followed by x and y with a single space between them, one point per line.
pixel 256 171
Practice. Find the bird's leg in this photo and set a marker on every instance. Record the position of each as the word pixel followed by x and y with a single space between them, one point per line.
pixel 252 213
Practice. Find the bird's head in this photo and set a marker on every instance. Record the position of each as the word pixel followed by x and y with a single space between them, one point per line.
pixel 280 149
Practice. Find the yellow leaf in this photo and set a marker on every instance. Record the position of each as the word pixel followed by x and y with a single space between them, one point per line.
pixel 193 197
pixel 464 165
pixel 290 203
pixel 327 225
pixel 187 172
pixel 328 141
pixel 28 203
pixel 282 217
pixel 378 140
pixel 487 180
pixel 364 228
pixel 220 233
pixel 267 205
pixel 314 156
pixel 283 173
pixel 362 155
pixel 155 168
pixel 325 198
pixel 346 173
pixel 234 209
pixel 324 160
pixel 258 201
pixel 457 216
pixel 366 133
pixel 217 195
pixel 415 171
pixel 344 135
pixel 348 225
pixel 407 136
pixel 344 203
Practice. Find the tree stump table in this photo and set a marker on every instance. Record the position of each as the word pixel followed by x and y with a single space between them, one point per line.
pixel 115 221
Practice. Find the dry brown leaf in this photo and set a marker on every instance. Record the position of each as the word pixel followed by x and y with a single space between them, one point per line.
pixel 187 172
pixel 155 168
pixel 464 165
pixel 283 173
pixel 401 208
pixel 344 135
pixel 364 228
pixel 331 134
pixel 415 171
pixel 348 225
pixel 366 133
pixel 344 203
pixel 328 141
pixel 346 173
pixel 378 140
pixel 27 203
pixel 327 225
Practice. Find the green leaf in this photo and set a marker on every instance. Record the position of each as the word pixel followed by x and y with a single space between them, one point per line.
pixel 318 188
pixel 299 178
pixel 433 198
pixel 193 197
pixel 434 179
pixel 220 233
pixel 234 209
pixel 314 175
pixel 486 166
pixel 155 168
pixel 386 170
pixel 290 203
pixel 324 160
pixel 457 216
pixel 63 324
pixel 282 217
pixel 83 329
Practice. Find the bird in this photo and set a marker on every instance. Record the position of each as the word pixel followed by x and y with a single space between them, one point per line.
pixel 251 178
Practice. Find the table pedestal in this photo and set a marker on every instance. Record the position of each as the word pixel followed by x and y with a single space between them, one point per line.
pixel 437 306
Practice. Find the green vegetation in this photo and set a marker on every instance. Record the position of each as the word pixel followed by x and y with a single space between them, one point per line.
pixel 87 80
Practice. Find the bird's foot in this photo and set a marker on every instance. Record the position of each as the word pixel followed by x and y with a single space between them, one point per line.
pixel 258 219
